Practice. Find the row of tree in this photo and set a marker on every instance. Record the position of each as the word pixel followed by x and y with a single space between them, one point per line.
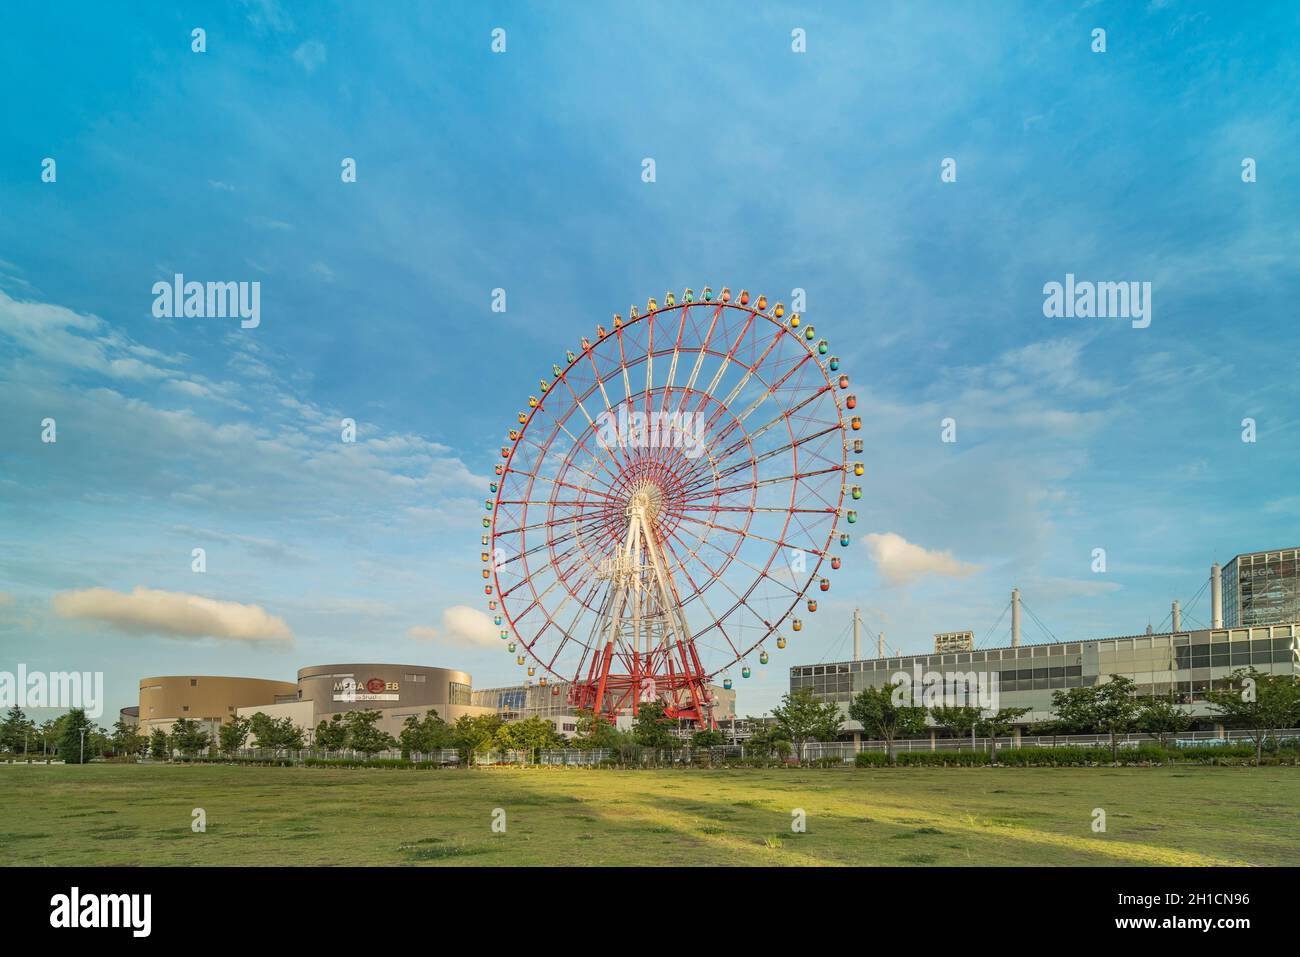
pixel 1250 701
pixel 1254 702
pixel 71 736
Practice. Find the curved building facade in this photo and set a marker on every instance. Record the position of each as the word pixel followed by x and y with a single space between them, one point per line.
pixel 380 687
pixel 397 692
pixel 210 700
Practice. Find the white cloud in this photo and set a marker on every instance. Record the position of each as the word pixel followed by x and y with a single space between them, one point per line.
pixel 60 336
pixel 310 55
pixel 461 625
pixel 175 614
pixel 902 562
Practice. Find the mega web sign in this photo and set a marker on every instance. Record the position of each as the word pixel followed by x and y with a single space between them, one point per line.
pixel 375 689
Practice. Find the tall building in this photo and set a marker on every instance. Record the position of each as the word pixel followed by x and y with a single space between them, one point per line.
pixel 1262 588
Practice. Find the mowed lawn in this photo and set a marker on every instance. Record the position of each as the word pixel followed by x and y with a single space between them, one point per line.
pixel 141 815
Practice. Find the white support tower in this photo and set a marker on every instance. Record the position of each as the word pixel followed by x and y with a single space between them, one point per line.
pixel 1015 618
pixel 1176 616
pixel 857 635
pixel 642 615
pixel 1216 596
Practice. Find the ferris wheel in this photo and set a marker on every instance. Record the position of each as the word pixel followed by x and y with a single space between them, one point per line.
pixel 666 509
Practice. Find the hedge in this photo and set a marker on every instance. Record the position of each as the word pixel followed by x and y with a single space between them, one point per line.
pixel 371 763
pixel 945 759
pixel 1015 757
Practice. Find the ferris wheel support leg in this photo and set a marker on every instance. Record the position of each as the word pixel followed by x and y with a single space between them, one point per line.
pixel 606 657
pixel 692 672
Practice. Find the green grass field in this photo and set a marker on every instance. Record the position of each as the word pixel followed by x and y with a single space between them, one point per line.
pixel 140 815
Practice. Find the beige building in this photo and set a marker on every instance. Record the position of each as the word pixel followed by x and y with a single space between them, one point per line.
pixel 397 692
pixel 209 700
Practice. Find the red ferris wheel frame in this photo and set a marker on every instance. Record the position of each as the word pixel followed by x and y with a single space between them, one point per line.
pixel 714 505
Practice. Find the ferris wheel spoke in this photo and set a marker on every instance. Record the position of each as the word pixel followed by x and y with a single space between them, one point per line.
pixel 735 556
pixel 576 445
pixel 704 348
pixel 795 477
pixel 756 508
pixel 717 622
pixel 748 534
pixel 761 430
pixel 672 365
pixel 591 423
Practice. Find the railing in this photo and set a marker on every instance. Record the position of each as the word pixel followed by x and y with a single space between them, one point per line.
pixel 813 750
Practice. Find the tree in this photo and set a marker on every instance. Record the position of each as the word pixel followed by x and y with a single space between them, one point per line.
pixel 1116 709
pixel 422 735
pixel 1049 728
pixel 1161 717
pixel 72 740
pixel 363 736
pixel 17 731
pixel 478 733
pixel 530 734
pixel 1257 703
pixel 275 734
pixel 652 727
pixel 886 716
pixel 158 744
pixel 127 740
pixel 708 738
pixel 592 733
pixel 997 723
pixel 959 719
pixel 188 737
pixel 48 733
pixel 765 738
pixel 1110 708
pixel 232 735
pixel 801 716
pixel 332 735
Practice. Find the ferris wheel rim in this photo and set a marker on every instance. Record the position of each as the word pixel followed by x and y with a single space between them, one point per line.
pixel 713 621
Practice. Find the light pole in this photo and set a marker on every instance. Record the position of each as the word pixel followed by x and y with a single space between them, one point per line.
pixel 83 746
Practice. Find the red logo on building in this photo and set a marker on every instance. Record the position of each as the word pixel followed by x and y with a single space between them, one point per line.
pixel 375 685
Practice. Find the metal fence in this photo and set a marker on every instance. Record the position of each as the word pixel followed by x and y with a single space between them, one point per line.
pixel 846 750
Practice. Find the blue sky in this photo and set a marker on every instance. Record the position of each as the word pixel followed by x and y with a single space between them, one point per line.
pixel 522 170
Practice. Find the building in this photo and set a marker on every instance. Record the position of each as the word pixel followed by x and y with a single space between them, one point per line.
pixel 1262 588
pixel 208 699
pixel 551 701
pixel 1184 665
pixel 397 692
pixel 954 641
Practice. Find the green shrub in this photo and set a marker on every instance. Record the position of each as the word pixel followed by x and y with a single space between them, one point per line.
pixel 931 759
pixel 871 759
pixel 371 763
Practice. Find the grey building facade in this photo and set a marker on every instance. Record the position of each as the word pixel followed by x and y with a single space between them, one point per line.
pixel 1183 665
